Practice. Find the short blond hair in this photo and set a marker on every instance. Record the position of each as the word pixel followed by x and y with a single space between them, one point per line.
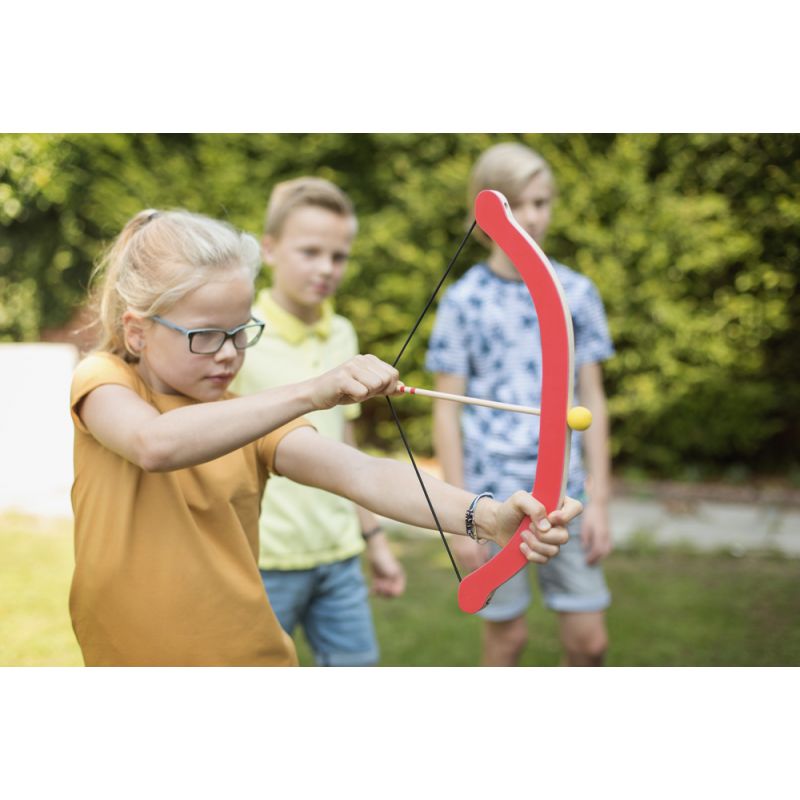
pixel 302 192
pixel 508 168
pixel 157 259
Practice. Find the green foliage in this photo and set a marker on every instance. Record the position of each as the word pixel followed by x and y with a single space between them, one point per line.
pixel 691 240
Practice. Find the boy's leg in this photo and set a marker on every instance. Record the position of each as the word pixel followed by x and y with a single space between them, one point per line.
pixel 505 629
pixel 578 592
pixel 583 638
pixel 503 642
pixel 289 593
pixel 338 624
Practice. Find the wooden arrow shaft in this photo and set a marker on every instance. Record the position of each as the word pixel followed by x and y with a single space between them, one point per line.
pixel 472 401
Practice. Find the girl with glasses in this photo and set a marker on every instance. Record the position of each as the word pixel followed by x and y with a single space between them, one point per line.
pixel 170 466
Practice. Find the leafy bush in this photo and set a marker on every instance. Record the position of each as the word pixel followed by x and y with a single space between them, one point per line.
pixel 690 239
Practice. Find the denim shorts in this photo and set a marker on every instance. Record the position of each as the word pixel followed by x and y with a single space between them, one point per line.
pixel 331 603
pixel 567 583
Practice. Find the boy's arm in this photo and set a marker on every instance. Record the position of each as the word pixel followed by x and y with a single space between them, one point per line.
pixel 595 532
pixel 448 448
pixel 390 488
pixel 388 576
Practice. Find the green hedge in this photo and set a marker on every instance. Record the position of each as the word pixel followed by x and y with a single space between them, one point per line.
pixel 691 240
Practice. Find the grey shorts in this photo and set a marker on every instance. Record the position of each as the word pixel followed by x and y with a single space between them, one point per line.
pixel 567 583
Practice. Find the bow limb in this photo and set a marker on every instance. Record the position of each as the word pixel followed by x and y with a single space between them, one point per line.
pixel 494 217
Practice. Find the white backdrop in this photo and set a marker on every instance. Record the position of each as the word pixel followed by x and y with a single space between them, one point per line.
pixel 35 428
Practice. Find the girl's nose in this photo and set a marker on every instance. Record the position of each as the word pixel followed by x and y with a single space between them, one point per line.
pixel 227 352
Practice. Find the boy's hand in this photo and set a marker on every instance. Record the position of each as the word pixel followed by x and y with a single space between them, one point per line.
pixel 388 576
pixel 354 381
pixel 595 533
pixel 546 533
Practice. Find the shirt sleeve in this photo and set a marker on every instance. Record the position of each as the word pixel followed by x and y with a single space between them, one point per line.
pixel 448 348
pixel 592 339
pixel 96 370
pixel 268 445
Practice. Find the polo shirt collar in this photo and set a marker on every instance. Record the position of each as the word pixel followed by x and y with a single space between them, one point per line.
pixel 288 326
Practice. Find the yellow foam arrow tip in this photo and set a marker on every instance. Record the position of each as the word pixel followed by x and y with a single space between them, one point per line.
pixel 579 418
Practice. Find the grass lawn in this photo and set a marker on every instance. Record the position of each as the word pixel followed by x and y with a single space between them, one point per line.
pixel 35 572
pixel 671 607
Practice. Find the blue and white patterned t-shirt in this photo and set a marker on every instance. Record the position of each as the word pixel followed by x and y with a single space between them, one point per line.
pixel 487 331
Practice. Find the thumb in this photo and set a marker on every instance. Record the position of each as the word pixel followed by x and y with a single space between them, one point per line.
pixel 533 509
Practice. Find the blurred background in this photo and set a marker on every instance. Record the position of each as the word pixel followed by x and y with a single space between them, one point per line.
pixel 692 241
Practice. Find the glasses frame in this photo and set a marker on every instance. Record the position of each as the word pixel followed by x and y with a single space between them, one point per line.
pixel 191 332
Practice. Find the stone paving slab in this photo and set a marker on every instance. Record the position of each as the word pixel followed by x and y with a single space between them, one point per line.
pixel 709 525
pixel 705 526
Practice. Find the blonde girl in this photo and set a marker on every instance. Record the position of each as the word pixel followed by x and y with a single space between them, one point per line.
pixel 170 466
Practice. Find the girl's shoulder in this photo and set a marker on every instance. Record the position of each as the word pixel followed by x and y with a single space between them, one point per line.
pixel 100 362
pixel 99 368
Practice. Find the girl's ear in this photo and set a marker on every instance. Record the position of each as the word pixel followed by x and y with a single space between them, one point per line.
pixel 268 249
pixel 134 327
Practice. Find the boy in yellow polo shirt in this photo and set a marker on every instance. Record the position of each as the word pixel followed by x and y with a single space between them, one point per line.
pixel 310 541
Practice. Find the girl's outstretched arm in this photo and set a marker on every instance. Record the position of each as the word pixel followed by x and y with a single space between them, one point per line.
pixel 125 423
pixel 390 488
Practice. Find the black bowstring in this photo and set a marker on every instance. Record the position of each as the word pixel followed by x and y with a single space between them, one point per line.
pixel 422 485
pixel 394 413
pixel 433 296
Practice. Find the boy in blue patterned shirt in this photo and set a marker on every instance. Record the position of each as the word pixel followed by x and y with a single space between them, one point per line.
pixel 486 344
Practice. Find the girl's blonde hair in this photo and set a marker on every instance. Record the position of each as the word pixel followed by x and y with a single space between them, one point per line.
pixel 158 258
pixel 302 192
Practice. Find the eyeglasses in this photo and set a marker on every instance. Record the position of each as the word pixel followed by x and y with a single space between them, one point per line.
pixel 207 341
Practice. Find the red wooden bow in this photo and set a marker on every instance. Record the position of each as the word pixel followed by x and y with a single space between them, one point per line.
pixel 493 215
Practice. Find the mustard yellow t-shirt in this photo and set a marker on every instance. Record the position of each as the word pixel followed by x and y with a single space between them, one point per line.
pixel 166 563
pixel 302 527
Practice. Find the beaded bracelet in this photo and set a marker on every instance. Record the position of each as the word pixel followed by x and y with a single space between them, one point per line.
pixel 470 516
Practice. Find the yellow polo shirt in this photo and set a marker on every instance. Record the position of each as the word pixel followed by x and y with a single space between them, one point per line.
pixel 302 527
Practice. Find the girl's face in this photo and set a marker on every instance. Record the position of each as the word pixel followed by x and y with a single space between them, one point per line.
pixel 165 361
pixel 308 259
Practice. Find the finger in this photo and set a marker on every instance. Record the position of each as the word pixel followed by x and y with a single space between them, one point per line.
pixel 600 550
pixel 371 381
pixel 557 536
pixel 353 390
pixel 532 555
pixel 531 507
pixel 386 375
pixel 374 374
pixel 568 511
pixel 538 546
pixel 595 554
pixel 586 537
